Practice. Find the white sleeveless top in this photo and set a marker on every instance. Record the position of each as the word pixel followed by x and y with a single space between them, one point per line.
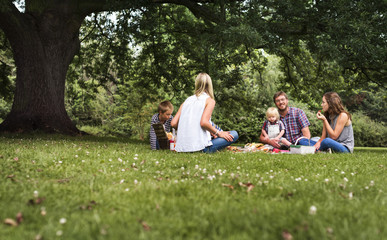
pixel 191 137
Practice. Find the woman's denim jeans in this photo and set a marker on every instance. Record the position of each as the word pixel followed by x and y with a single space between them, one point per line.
pixel 332 144
pixel 220 143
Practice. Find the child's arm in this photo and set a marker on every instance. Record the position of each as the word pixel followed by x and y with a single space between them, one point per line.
pixel 264 133
pixel 280 134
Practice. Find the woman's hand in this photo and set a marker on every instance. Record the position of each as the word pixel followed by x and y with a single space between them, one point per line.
pixel 320 116
pixel 226 135
pixel 317 145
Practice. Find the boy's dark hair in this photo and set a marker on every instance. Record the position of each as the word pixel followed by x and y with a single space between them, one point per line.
pixel 279 93
pixel 165 106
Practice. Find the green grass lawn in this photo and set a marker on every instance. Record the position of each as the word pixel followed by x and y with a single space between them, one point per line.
pixel 108 188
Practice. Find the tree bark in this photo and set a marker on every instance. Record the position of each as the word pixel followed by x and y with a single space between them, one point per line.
pixel 43 48
pixel 44 40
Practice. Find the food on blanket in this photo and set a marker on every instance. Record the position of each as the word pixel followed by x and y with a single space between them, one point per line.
pixel 233 149
pixel 169 135
pixel 253 145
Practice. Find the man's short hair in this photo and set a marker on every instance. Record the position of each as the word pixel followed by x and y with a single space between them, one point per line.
pixel 165 106
pixel 279 93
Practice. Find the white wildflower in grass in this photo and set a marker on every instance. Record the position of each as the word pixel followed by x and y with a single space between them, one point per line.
pixel 232 175
pixel 312 210
pixel 266 182
pixel 271 177
pixel 372 183
pixel 136 155
pixel 36 193
pixel 135 158
pixel 119 159
pixel 196 166
pixel 350 195
pixel 157 162
pixel 342 172
pixel 204 170
pixel 271 170
pixel 62 220
pixel 176 181
pixel 59 233
pixel 346 179
pixel 59 161
pixel 238 167
pixel 182 168
pixel 110 159
pixel 122 181
pixel 126 189
pixel 366 187
pixel 306 180
pixel 326 180
pixel 83 161
pixel 76 156
pixel 135 181
pixel 336 170
pixel 353 174
pixel 123 170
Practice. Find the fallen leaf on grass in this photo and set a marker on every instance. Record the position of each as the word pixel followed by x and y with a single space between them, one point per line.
pixel 228 185
pixel 64 180
pixel 11 222
pixel 286 235
pixel 19 217
pixel 249 186
pixel 89 206
pixel 145 226
pixel 36 201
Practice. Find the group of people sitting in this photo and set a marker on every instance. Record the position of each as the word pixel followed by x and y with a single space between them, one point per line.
pixel 284 125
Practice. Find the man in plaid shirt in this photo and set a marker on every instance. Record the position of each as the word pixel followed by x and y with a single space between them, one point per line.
pixel 295 121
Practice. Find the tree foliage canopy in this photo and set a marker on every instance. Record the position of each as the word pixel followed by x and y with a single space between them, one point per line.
pixel 150 50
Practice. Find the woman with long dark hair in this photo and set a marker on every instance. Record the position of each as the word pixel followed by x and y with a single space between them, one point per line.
pixel 337 131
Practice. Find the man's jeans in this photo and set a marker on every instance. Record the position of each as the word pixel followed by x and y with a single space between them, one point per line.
pixel 306 142
pixel 220 143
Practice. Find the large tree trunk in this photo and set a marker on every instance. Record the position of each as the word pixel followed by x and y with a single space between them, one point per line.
pixel 43 49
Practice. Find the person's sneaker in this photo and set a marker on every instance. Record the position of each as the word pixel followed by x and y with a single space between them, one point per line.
pixel 329 150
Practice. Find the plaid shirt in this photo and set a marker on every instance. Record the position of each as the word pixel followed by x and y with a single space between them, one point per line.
pixel 294 121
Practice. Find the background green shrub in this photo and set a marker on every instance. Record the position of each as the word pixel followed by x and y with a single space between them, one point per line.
pixel 368 133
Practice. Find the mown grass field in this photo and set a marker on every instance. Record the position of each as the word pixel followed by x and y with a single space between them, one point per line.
pixel 55 187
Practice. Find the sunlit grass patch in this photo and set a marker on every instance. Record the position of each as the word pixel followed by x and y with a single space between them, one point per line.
pixel 109 188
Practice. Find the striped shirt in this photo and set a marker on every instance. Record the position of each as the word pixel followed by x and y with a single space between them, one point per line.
pixel 152 134
pixel 294 121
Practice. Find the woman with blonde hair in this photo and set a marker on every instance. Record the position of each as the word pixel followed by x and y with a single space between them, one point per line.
pixel 337 131
pixel 193 121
